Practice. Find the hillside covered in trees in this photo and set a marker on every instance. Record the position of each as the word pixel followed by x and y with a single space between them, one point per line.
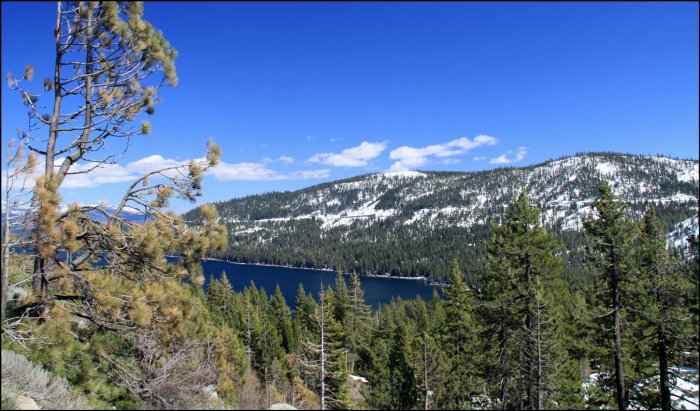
pixel 106 311
pixel 415 223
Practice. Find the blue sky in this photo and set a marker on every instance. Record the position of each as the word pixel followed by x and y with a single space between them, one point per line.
pixel 301 93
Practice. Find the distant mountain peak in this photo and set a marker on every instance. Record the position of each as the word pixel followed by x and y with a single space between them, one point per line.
pixel 402 218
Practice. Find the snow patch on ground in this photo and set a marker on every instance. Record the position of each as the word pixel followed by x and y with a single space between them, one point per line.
pixel 403 174
pixel 689 175
pixel 606 168
pixel 677 238
pixel 684 393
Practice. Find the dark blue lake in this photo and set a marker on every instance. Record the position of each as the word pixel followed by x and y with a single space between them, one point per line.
pixel 378 290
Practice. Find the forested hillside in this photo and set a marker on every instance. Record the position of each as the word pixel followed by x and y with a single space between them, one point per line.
pixel 568 284
pixel 414 223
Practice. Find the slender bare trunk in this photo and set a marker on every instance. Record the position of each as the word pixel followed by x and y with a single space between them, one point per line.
pixel 664 385
pixel 540 366
pixel 503 364
pixel 621 393
pixel 426 389
pixel 38 282
pixel 529 349
pixel 5 248
pixel 323 356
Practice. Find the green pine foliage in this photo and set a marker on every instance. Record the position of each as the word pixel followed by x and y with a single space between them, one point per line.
pixel 521 307
pixel 612 235
pixel 459 339
pixel 411 243
pixel 662 317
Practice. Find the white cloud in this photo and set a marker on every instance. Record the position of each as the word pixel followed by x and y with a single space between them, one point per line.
pixel 242 171
pixel 308 174
pixel 113 173
pixel 449 161
pixel 351 157
pixel 407 164
pixel 286 159
pixel 411 157
pixel 503 159
pixel 90 176
pixel 479 158
pixel 260 172
pixel 152 163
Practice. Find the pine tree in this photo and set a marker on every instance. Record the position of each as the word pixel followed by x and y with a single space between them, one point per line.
pixel 121 56
pixel 460 340
pixel 220 299
pixel 402 376
pixel 266 344
pixel 305 308
pixel 612 234
pixel 522 273
pixel 358 320
pixel 283 317
pixel 325 360
pixel 655 302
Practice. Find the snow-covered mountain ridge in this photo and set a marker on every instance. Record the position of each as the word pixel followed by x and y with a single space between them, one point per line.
pixel 379 208
pixel 563 189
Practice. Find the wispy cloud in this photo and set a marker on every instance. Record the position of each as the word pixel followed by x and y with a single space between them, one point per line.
pixel 260 172
pixel 503 159
pixel 351 157
pixel 286 159
pixel 242 171
pixel 308 174
pixel 89 176
pixel 479 158
pixel 412 157
pixel 152 163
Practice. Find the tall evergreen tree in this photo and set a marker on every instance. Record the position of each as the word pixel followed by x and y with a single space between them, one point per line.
pixel 402 376
pixel 358 320
pixel 656 301
pixel 522 272
pixel 460 340
pixel 283 319
pixel 612 235
pixel 324 360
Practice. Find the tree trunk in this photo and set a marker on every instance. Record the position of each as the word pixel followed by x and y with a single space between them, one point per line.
pixel 664 385
pixel 38 274
pixel 503 364
pixel 425 372
pixel 540 372
pixel 529 346
pixel 323 356
pixel 621 394
pixel 5 254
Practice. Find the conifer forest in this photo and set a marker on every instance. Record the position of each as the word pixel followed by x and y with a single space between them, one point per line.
pixel 568 284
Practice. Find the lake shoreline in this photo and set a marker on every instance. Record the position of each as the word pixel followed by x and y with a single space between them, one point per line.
pixel 420 278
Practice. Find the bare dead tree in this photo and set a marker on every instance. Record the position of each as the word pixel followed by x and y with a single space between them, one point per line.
pixel 16 189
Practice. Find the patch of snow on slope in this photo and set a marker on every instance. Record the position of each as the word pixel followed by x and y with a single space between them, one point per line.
pixel 606 168
pixel 365 211
pixel 688 174
pixel 403 174
pixel 677 238
pixel 684 392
